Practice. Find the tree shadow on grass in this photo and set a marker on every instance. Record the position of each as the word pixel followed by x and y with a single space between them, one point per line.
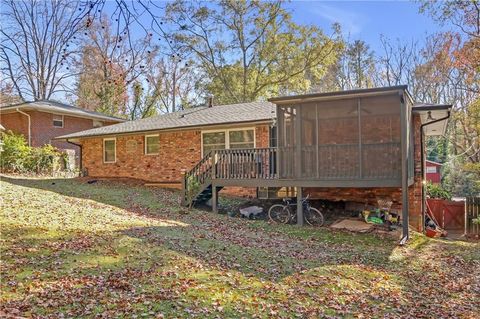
pixel 215 257
pixel 252 247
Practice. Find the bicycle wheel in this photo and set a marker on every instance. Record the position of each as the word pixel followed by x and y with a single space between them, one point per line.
pixel 279 214
pixel 313 217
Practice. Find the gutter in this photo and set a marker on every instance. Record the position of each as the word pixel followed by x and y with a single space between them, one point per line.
pixel 29 125
pixel 80 166
pixel 171 129
pixel 422 154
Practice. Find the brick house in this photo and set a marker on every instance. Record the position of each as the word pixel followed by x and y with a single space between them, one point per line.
pixel 357 145
pixel 41 121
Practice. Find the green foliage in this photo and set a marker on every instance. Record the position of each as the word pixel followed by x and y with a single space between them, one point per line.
pixel 437 191
pixel 193 188
pixel 261 52
pixel 15 151
pixel 18 157
pixel 460 178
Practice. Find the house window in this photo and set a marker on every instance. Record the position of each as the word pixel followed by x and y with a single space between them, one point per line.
pixel 431 170
pixel 228 139
pixel 97 123
pixel 214 140
pixel 152 144
pixel 109 150
pixel 241 139
pixel 57 120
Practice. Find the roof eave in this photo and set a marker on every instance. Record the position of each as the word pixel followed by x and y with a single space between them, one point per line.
pixel 180 128
pixel 434 107
pixel 337 94
pixel 64 112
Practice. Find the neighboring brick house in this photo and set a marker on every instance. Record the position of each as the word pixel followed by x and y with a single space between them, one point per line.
pixel 41 121
pixel 358 146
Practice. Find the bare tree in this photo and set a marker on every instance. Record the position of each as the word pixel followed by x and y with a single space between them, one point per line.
pixel 397 63
pixel 37 42
pixel 110 62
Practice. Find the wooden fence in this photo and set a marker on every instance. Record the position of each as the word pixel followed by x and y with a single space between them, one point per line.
pixel 472 211
pixel 450 215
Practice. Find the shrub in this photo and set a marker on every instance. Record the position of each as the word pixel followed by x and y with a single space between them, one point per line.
pixel 15 151
pixel 437 191
pixel 18 157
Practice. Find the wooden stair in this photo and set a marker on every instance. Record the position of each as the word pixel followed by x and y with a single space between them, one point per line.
pixel 197 183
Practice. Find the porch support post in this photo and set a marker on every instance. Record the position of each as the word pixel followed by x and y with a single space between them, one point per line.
pixel 214 198
pixel 299 206
pixel 404 118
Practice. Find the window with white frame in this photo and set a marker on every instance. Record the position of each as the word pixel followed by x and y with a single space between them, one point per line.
pixel 241 139
pixel 57 120
pixel 152 144
pixel 228 139
pixel 109 150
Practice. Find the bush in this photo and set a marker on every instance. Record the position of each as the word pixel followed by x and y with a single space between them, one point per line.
pixel 15 151
pixel 437 191
pixel 18 157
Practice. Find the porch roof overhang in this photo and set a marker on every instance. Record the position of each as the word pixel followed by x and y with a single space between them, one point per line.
pixel 401 89
pixel 432 113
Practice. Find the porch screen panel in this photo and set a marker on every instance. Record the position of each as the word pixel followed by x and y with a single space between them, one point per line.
pixel 287 119
pixel 338 139
pixel 309 141
pixel 380 137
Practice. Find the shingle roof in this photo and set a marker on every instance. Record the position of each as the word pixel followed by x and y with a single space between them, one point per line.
pixel 199 116
pixel 61 108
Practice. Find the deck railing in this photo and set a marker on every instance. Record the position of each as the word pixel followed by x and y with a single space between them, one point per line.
pixel 245 163
pixel 341 161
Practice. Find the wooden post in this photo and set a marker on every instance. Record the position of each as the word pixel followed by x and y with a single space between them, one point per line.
pixel 404 122
pixel 299 206
pixel 184 188
pixel 214 199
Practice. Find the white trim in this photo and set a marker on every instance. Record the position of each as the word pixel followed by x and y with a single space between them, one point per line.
pixel 115 149
pixel 98 122
pixel 227 135
pixel 53 120
pixel 145 144
pixel 29 126
pixel 59 110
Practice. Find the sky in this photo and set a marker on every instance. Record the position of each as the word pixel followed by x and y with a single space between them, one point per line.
pixel 367 20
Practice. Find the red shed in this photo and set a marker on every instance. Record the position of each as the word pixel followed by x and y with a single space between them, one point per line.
pixel 432 170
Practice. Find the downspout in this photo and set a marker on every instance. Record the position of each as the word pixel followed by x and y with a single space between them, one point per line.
pixel 29 126
pixel 422 155
pixel 80 166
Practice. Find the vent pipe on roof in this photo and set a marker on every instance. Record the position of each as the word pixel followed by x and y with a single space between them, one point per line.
pixel 210 101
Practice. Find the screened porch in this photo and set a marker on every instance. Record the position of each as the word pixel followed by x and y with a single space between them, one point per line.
pixel 348 139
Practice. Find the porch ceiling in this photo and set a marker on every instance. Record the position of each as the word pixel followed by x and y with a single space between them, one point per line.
pixel 431 112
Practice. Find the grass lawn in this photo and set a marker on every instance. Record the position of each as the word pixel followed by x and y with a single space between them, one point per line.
pixel 109 249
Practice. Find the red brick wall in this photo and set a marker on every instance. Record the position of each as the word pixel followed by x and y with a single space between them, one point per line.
pixel 15 122
pixel 415 191
pixel 42 128
pixel 179 150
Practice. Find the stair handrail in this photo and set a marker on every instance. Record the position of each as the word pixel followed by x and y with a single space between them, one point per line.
pixel 196 177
